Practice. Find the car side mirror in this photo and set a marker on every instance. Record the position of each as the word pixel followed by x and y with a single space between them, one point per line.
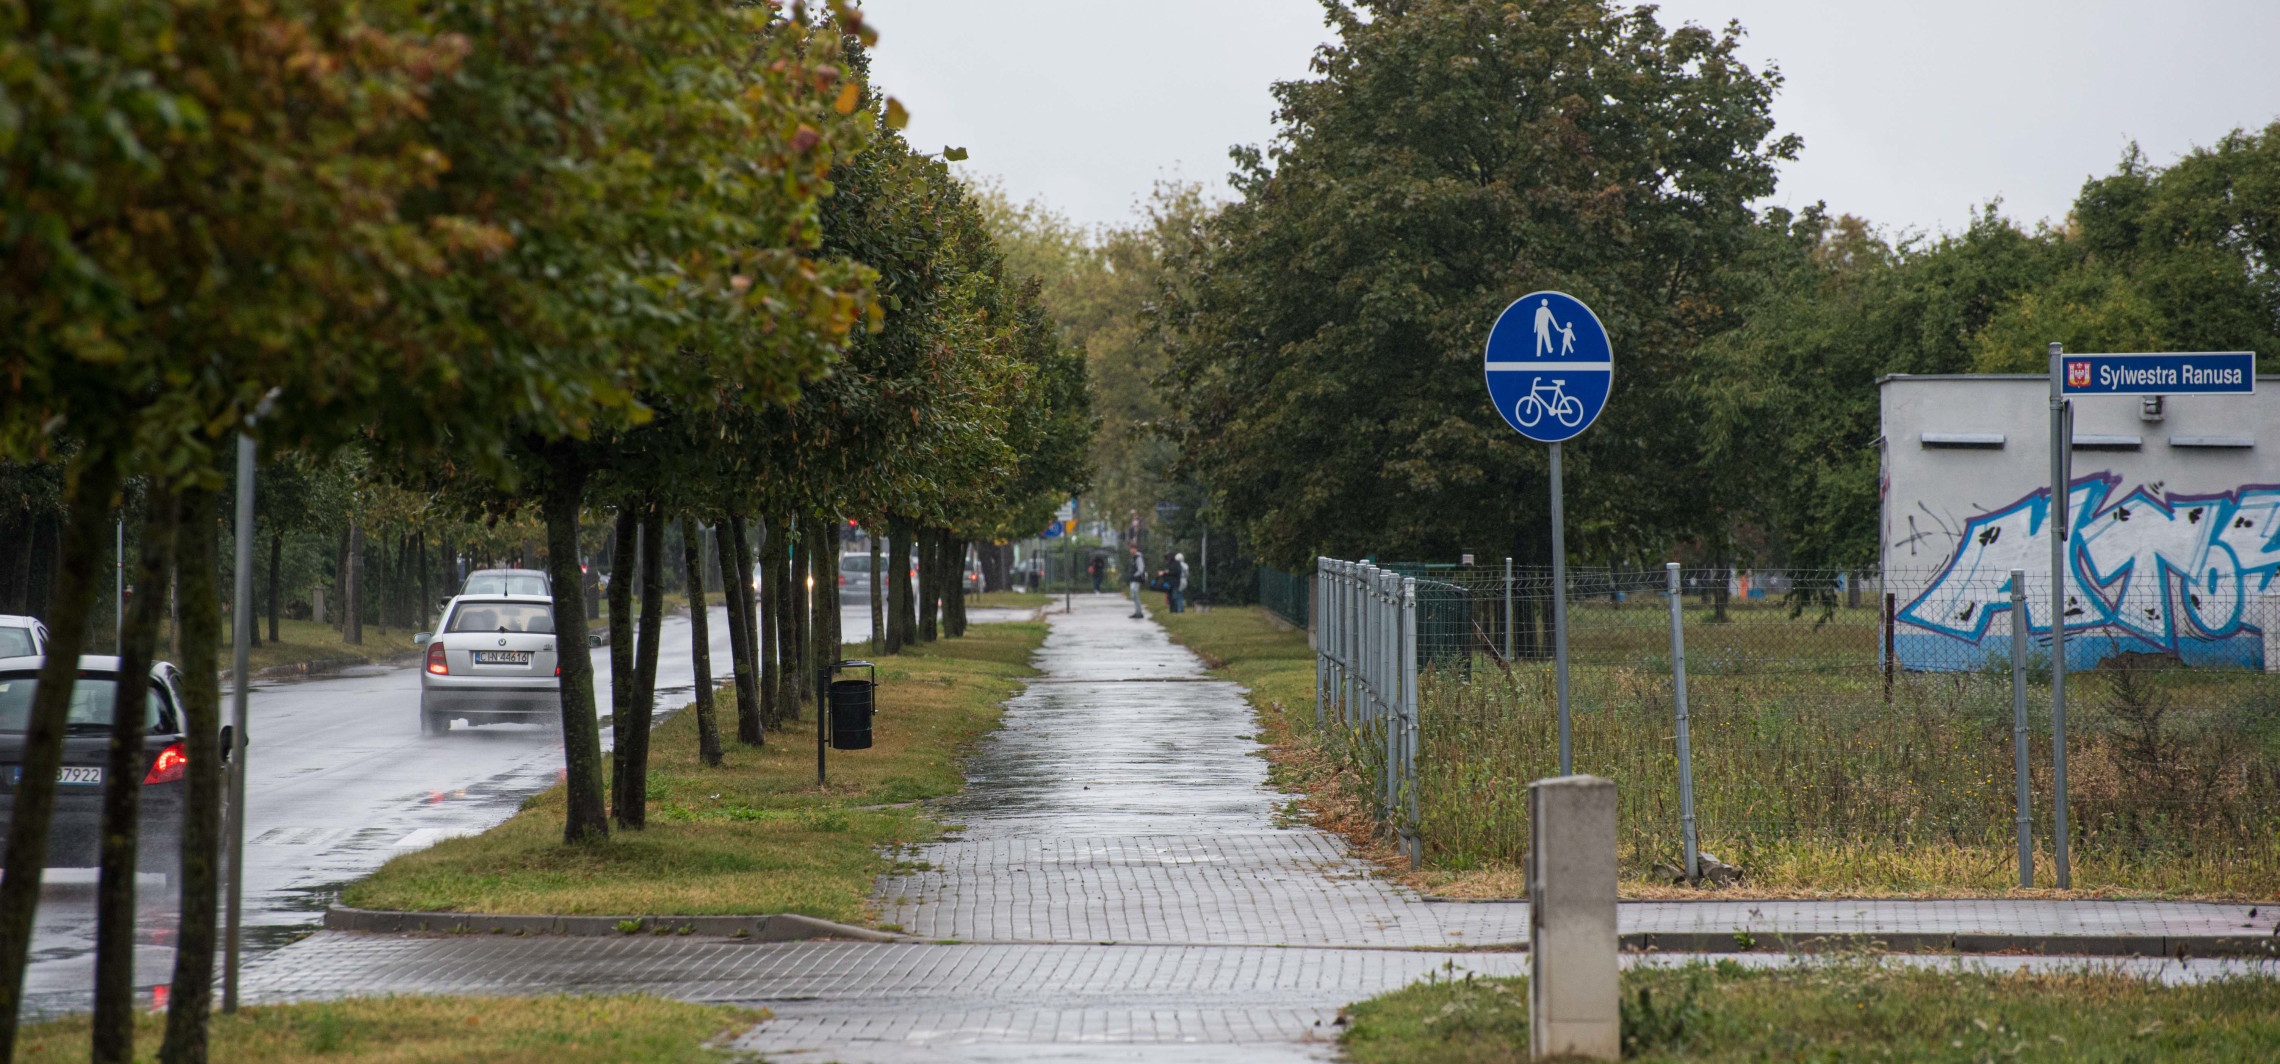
pixel 422 638
pixel 229 745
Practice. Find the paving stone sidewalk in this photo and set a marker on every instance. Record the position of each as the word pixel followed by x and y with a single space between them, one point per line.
pixel 1123 889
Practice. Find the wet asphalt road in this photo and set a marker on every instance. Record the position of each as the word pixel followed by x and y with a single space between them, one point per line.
pixel 341 780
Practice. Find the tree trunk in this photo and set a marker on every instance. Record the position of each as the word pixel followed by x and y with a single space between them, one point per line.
pixel 929 583
pixel 624 564
pixel 739 641
pixel 769 639
pixel 93 476
pixel 339 619
pixel 799 655
pixel 426 595
pixel 954 604
pixel 902 609
pixel 751 708
pixel 700 638
pixel 629 789
pixel 114 1020
pixel 878 591
pixel 825 623
pixel 192 997
pixel 586 818
pixel 276 564
pixel 352 601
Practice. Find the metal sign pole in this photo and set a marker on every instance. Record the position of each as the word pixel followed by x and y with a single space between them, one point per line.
pixel 1559 613
pixel 2061 533
pixel 241 631
pixel 2019 644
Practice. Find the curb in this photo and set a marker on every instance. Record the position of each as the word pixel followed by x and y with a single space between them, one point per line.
pixel 2179 947
pixel 778 927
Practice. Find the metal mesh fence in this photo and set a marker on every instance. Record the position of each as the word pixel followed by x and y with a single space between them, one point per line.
pixel 1834 713
pixel 1286 596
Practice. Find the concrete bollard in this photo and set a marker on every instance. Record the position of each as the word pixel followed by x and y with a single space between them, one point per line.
pixel 1572 989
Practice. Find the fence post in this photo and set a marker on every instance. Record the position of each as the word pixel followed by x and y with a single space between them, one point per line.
pixel 1685 748
pixel 1509 619
pixel 1388 682
pixel 1410 723
pixel 1320 633
pixel 1891 615
pixel 2019 645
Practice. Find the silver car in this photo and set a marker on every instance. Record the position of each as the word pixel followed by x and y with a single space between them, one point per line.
pixel 855 574
pixel 22 637
pixel 493 662
pixel 507 582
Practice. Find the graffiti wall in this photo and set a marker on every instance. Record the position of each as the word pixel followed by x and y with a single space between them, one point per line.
pixel 2172 543
pixel 2192 575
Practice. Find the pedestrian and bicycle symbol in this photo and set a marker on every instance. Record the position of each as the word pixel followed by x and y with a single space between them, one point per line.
pixel 1549 366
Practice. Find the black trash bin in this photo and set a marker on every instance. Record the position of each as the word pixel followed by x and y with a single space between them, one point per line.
pixel 852 703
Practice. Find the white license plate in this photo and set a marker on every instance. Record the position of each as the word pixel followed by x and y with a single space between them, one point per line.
pixel 502 657
pixel 85 775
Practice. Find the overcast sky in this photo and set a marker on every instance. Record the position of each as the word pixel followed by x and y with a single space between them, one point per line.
pixel 1912 112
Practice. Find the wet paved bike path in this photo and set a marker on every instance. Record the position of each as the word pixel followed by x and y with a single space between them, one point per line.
pixel 1120 891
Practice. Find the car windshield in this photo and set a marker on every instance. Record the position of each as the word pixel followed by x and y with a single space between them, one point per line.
pixel 16 643
pixel 855 563
pixel 504 584
pixel 91 699
pixel 502 617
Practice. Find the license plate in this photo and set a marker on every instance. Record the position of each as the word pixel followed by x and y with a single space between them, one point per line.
pixel 502 657
pixel 84 775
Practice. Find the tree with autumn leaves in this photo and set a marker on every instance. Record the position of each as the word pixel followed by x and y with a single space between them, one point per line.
pixel 500 247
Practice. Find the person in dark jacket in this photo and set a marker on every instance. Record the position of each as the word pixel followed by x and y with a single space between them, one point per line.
pixel 1097 570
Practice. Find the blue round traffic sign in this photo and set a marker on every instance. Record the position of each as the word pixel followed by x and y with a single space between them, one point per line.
pixel 1549 366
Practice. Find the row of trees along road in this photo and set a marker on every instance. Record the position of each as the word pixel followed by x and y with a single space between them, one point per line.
pixel 1324 332
pixel 566 271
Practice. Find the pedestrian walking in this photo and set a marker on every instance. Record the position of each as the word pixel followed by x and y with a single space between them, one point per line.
pixel 1176 582
pixel 1135 575
pixel 1097 569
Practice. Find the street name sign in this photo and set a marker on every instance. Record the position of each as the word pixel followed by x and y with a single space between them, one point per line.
pixel 2191 373
pixel 1549 366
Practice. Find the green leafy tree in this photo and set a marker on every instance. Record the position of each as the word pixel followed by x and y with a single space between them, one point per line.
pixel 1451 156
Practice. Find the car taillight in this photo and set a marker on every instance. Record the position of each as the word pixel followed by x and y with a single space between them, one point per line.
pixel 435 663
pixel 558 671
pixel 843 580
pixel 168 768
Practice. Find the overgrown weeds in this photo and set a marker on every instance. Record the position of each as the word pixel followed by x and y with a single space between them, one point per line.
pixel 1804 776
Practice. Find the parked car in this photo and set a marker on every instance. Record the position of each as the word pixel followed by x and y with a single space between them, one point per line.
pixel 855 574
pixel 508 582
pixel 76 836
pixel 22 637
pixel 493 661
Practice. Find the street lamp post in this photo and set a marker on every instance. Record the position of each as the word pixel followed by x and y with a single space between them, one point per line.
pixel 241 633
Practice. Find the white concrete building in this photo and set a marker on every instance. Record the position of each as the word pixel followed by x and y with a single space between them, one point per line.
pixel 2173 514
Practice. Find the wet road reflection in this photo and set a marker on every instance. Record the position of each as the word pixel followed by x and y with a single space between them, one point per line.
pixel 341 781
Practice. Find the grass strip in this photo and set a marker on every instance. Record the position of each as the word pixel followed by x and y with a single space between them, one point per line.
pixel 1857 1009
pixel 753 836
pixel 634 1029
pixel 1010 600
pixel 300 642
